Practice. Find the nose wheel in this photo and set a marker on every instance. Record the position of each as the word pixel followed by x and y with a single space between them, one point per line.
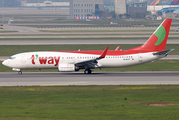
pixel 20 72
pixel 87 71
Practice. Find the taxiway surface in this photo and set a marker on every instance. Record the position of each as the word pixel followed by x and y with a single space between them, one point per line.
pixel 97 78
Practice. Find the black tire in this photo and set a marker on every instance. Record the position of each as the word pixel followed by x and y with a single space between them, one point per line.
pixel 87 71
pixel 20 73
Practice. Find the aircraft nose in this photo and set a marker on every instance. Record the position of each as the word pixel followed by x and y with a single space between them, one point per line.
pixel 5 62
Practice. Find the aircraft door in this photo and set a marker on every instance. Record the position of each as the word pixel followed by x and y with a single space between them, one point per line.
pixel 140 57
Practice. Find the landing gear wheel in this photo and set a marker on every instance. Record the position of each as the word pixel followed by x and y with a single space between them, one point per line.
pixel 87 71
pixel 20 72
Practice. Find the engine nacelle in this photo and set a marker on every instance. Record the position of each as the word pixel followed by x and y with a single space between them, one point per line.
pixel 65 67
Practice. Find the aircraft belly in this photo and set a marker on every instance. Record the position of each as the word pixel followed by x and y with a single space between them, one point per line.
pixel 124 62
pixel 118 63
pixel 41 66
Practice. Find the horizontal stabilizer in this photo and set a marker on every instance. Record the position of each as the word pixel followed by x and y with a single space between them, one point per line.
pixel 163 52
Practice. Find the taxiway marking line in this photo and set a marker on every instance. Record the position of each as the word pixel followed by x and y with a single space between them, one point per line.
pixel 3 59
pixel 63 84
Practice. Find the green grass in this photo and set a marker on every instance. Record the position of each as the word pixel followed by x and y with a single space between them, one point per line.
pixel 94 25
pixel 89 103
pixel 56 34
pixel 5 31
pixel 159 65
pixel 111 30
pixel 82 39
pixel 8 50
pixel 95 31
pixel 69 34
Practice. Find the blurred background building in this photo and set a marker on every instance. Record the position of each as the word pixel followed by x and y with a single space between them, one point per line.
pixel 136 9
pixel 120 7
pixel 85 8
pixel 45 4
pixel 107 8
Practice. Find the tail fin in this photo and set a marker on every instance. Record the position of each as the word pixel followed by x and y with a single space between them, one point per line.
pixel 158 40
pixel 174 2
pixel 155 2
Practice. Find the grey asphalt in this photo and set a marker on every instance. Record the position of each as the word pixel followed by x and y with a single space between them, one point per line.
pixel 98 78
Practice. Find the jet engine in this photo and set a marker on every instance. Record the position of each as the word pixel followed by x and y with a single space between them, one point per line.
pixel 65 67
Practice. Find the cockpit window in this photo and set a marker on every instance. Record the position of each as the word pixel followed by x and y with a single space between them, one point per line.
pixel 12 58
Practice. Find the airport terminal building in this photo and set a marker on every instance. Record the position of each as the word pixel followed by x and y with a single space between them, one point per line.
pixel 120 7
pixel 85 8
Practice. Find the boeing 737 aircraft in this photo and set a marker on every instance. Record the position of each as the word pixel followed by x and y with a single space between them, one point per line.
pixel 68 61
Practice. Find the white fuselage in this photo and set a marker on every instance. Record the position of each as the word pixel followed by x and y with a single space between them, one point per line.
pixel 51 60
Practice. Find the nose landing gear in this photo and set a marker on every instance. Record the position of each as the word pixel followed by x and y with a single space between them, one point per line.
pixel 87 71
pixel 20 72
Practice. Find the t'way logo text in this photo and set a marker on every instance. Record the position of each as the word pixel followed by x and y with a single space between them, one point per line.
pixel 46 60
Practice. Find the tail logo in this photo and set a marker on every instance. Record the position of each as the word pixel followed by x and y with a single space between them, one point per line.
pixel 160 33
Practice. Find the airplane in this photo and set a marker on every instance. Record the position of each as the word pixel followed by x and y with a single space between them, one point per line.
pixel 160 2
pixel 69 61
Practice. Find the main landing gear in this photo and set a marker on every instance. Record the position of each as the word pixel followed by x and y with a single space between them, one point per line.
pixel 20 72
pixel 87 71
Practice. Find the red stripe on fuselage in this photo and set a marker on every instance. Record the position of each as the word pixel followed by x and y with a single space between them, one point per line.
pixel 112 52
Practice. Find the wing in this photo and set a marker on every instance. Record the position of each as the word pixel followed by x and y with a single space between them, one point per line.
pixel 91 63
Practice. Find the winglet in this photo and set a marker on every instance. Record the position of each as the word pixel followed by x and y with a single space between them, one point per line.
pixel 104 53
pixel 117 48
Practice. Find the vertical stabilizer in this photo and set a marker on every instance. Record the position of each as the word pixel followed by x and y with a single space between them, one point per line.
pixel 158 40
pixel 155 2
pixel 174 2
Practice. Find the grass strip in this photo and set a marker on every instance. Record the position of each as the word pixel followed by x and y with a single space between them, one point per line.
pixel 53 34
pixel 2 31
pixel 8 50
pixel 95 25
pixel 91 38
pixel 141 102
pixel 111 30
pixel 96 30
pixel 74 34
pixel 159 65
